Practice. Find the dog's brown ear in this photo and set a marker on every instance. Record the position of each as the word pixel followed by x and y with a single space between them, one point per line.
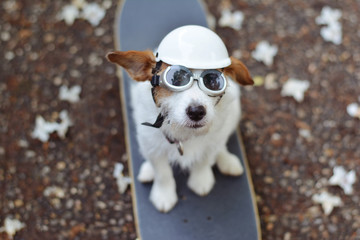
pixel 137 63
pixel 238 72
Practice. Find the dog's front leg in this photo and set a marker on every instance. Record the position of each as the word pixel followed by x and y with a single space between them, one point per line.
pixel 228 163
pixel 163 192
pixel 201 179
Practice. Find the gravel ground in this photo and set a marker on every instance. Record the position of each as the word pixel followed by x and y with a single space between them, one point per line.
pixel 64 188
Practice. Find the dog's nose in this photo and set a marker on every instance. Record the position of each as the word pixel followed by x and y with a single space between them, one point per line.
pixel 196 113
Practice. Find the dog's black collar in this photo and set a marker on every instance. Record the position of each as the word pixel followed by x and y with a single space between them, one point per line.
pixel 157 124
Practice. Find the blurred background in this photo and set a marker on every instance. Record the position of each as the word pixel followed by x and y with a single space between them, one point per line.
pixel 61 127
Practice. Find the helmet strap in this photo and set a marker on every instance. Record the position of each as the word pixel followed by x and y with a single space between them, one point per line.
pixel 155 80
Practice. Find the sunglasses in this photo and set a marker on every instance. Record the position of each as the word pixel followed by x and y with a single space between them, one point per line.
pixel 179 78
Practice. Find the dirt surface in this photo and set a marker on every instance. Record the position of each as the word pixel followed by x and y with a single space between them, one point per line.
pixel 41 53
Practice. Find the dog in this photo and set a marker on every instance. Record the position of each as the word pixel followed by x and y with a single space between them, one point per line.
pixel 191 127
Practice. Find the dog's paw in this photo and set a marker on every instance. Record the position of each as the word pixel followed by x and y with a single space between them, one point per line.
pixel 229 164
pixel 164 197
pixel 146 173
pixel 202 181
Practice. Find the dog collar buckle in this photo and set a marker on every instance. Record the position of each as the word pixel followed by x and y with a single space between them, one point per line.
pixel 178 144
pixel 180 148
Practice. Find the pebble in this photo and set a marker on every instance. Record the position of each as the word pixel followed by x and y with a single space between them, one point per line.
pixel 5 36
pixel 103 163
pixel 9 55
pixel 268 180
pixel 101 205
pixel 61 165
pixel 30 154
pixel 18 203
pixel 270 82
pixel 58 81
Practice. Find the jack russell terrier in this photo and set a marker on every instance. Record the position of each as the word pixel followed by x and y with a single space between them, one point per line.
pixel 190 88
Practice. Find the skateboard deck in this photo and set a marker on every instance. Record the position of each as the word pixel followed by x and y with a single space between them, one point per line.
pixel 229 211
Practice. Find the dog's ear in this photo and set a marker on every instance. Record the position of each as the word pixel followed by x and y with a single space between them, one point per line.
pixel 238 72
pixel 138 64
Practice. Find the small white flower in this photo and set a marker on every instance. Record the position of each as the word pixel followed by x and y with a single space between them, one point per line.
pixel 327 201
pixel 64 125
pixel 265 52
pixel 43 129
pixel 343 179
pixel 11 226
pixel 328 16
pixel 69 13
pixel 295 88
pixel 333 31
pixel 93 13
pixel 353 109
pixel 233 20
pixel 70 94
pixel 122 181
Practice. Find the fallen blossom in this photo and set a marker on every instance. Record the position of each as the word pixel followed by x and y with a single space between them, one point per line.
pixel 11 226
pixel 70 94
pixel 295 88
pixel 122 181
pixel 64 124
pixel 265 53
pixel 353 109
pixel 69 13
pixel 328 16
pixel 333 31
pixel 43 129
pixel 94 13
pixel 327 201
pixel 343 179
pixel 54 191
pixel 233 20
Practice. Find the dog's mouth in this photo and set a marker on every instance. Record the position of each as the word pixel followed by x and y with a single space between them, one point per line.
pixel 195 125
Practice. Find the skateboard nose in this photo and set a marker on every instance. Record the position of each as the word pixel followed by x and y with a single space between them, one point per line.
pixel 196 113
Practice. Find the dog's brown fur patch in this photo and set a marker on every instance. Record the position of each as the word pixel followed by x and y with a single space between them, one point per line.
pixel 238 72
pixel 160 93
pixel 137 63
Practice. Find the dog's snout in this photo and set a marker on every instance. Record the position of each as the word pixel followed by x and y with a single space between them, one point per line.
pixel 196 113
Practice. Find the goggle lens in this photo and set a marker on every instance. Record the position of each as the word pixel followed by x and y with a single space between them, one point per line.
pixel 178 76
pixel 213 80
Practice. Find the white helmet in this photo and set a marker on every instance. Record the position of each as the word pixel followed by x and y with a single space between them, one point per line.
pixel 193 47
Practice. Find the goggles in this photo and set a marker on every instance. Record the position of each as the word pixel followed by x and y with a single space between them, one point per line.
pixel 179 78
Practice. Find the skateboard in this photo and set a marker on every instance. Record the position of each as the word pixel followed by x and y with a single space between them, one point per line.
pixel 229 211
